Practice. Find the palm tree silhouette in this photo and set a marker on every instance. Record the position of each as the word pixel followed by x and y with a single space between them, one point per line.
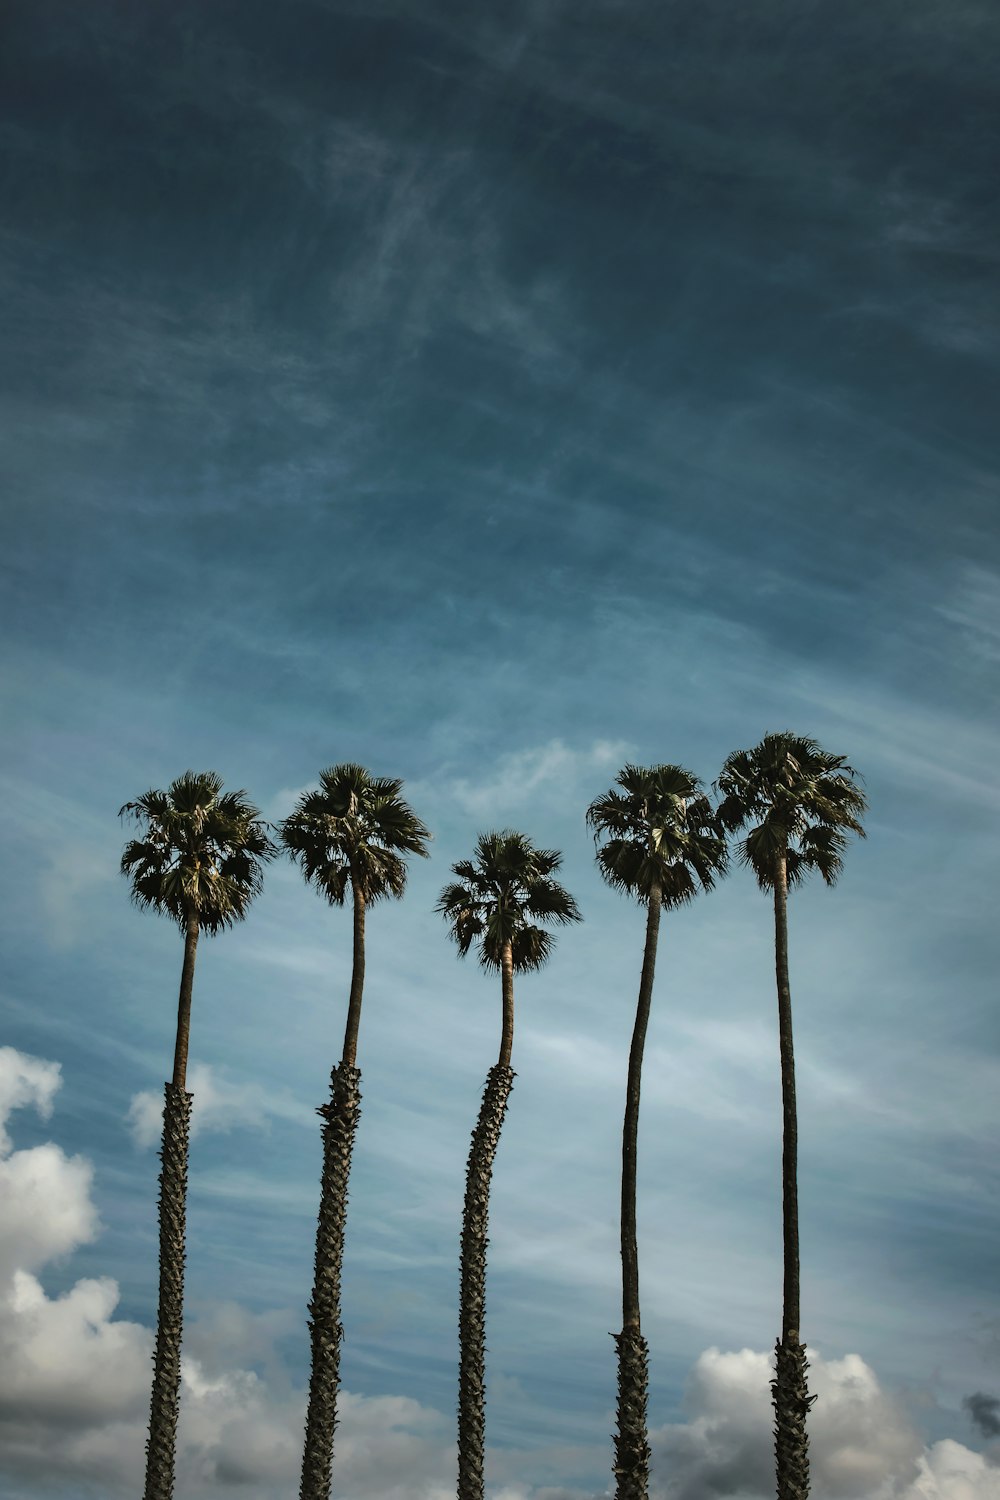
pixel 799 799
pixel 351 835
pixel 662 842
pixel 499 897
pixel 199 861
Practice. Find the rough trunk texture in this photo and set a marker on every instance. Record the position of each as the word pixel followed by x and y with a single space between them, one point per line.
pixel 791 1404
pixel 472 1310
pixel 340 1119
pixel 632 1452
pixel 165 1401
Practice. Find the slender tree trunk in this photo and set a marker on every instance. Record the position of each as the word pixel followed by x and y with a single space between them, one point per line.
pixel 340 1117
pixel 788 1389
pixel 507 984
pixel 340 1122
pixel 357 982
pixel 472 1297
pixel 631 1443
pixel 183 1036
pixel 164 1406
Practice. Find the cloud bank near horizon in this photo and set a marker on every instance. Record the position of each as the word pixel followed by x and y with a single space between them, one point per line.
pixel 74 1389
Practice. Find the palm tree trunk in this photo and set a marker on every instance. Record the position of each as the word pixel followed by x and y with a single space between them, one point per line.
pixel 340 1117
pixel 507 984
pixel 164 1405
pixel 183 1036
pixel 165 1400
pixel 357 981
pixel 631 1444
pixel 788 1389
pixel 472 1296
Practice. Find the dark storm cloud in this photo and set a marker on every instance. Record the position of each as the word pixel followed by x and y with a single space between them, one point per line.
pixel 984 1412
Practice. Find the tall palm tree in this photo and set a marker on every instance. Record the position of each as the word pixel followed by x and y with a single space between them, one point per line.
pixel 799 801
pixel 351 835
pixel 198 860
pixel 662 842
pixel 500 896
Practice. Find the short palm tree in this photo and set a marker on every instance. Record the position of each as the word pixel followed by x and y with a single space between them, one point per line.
pixel 198 860
pixel 351 835
pixel 662 842
pixel 500 896
pixel 799 801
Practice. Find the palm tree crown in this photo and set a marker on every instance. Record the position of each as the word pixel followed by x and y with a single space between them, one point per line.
pixel 354 831
pixel 660 833
pixel 800 800
pixel 200 853
pixel 498 892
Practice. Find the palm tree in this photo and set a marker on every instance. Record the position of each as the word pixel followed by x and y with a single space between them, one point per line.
pixel 350 835
pixel 498 893
pixel 198 860
pixel 799 800
pixel 663 842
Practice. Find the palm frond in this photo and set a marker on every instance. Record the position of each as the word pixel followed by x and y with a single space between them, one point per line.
pixel 201 852
pixel 795 799
pixel 659 832
pixel 353 832
pixel 506 882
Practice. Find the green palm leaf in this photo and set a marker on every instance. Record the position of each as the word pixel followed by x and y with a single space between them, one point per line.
pixel 507 883
pixel 659 831
pixel 354 831
pixel 201 852
pixel 797 798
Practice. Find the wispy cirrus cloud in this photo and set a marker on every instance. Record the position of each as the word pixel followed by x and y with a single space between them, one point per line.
pixel 522 778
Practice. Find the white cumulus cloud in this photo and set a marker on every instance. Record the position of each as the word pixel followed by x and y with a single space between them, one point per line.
pixel 862 1445
pixel 218 1106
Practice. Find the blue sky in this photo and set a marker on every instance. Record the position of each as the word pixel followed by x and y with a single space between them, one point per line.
pixel 493 399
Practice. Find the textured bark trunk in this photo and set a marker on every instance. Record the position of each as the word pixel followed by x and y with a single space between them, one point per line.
pixel 165 1400
pixel 340 1117
pixel 184 1005
pixel 632 1452
pixel 788 1389
pixel 357 982
pixel 631 1445
pixel 472 1297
